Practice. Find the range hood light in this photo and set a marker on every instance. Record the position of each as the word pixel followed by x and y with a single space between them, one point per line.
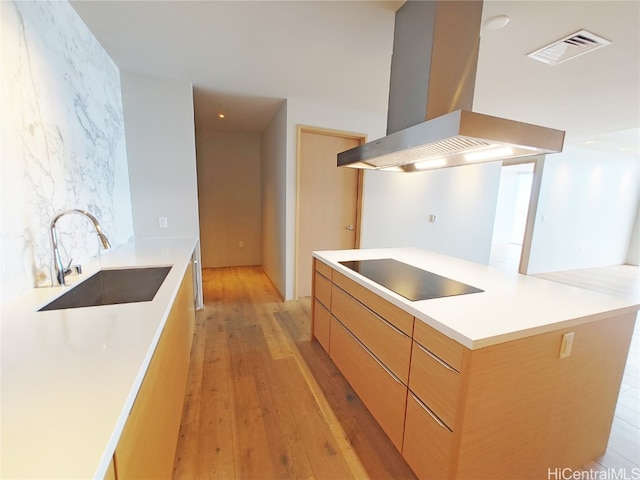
pixel 360 165
pixel 435 163
pixel 487 154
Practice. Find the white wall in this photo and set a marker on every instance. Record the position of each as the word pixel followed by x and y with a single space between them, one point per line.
pixel 229 198
pixel 505 207
pixel 273 188
pixel 397 209
pixel 323 115
pixel 589 202
pixel 62 142
pixel 158 117
pixel 513 203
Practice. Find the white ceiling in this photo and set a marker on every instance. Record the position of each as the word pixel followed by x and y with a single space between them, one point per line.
pixel 245 57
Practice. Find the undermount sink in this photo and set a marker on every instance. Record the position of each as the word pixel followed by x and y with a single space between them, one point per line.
pixel 113 286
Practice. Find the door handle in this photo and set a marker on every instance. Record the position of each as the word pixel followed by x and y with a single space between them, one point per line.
pixel 350 228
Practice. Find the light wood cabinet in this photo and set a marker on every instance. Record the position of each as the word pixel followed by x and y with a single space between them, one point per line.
pixel 321 305
pixel 526 410
pixel 370 346
pixel 146 448
pixel 442 346
pixel 435 383
pixel 510 410
pixel 435 397
pixel 428 443
pixel 516 409
pixel 322 268
pixel 387 310
pixel 387 342
pixel 382 393
pixel 322 289
pixel 322 324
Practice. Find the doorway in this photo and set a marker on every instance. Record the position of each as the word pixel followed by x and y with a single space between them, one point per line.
pixel 329 199
pixel 512 209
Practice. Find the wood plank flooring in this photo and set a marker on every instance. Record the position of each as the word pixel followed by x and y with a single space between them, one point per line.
pixel 263 401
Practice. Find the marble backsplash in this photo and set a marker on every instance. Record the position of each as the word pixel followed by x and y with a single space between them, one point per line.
pixel 62 142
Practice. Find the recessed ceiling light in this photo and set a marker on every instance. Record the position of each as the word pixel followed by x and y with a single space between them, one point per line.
pixel 497 22
pixel 221 115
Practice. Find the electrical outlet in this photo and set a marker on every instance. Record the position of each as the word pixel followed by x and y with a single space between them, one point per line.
pixel 163 222
pixel 241 244
pixel 566 345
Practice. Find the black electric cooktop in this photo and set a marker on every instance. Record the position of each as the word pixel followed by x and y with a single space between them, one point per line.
pixel 411 282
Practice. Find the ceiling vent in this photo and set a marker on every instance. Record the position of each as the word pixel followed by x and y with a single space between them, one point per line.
pixel 569 47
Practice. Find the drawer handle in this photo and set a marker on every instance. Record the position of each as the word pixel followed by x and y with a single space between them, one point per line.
pixel 431 414
pixel 445 365
pixel 384 367
pixel 382 319
pixel 324 277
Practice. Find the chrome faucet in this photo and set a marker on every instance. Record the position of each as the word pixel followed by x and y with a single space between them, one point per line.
pixel 61 271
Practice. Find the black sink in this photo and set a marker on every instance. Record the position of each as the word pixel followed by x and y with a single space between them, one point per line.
pixel 110 287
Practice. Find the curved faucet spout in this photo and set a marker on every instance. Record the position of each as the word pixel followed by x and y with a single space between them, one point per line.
pixel 60 270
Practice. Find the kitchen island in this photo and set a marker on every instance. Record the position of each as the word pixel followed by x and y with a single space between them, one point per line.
pixel 80 384
pixel 515 379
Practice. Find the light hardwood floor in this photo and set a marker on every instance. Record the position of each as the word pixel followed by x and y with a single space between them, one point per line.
pixel 263 401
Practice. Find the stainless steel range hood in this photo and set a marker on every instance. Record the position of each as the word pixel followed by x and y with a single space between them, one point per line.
pixel 430 123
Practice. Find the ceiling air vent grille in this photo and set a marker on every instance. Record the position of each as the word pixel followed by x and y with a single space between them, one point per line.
pixel 569 47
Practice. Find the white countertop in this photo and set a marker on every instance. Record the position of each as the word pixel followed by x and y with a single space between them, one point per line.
pixel 70 377
pixel 512 306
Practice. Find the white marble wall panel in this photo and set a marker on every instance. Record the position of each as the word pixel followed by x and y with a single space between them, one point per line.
pixel 62 141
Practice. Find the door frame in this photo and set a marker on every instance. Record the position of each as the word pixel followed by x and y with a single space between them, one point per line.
pixel 362 138
pixel 536 182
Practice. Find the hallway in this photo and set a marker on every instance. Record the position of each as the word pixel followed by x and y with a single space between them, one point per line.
pixel 263 401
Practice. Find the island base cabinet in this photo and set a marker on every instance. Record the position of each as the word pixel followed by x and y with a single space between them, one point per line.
pixel 322 325
pixel 148 442
pixel 381 392
pixel 428 443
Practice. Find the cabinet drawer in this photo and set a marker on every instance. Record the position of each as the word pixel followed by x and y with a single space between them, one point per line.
pixel 384 340
pixel 323 268
pixel 321 325
pixel 383 394
pixel 435 383
pixel 387 310
pixel 428 445
pixel 322 289
pixel 442 346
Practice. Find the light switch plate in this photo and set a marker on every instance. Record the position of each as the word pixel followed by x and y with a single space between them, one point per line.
pixel 566 345
pixel 163 222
